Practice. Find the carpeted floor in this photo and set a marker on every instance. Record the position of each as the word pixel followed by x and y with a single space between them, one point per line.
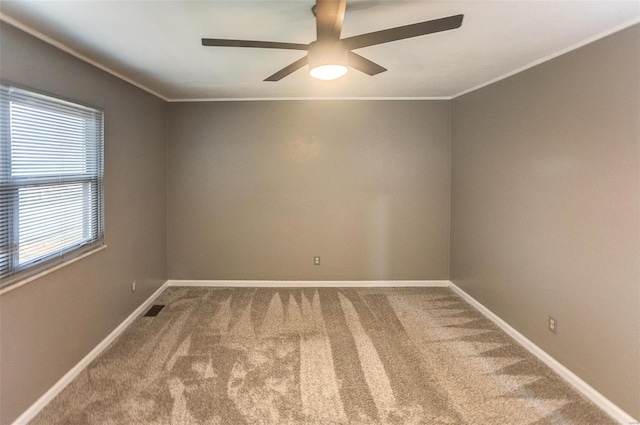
pixel 317 356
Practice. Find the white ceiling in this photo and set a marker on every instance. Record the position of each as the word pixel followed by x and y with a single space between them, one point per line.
pixel 156 44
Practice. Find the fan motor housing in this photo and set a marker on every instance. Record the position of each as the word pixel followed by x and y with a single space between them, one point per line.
pixel 333 53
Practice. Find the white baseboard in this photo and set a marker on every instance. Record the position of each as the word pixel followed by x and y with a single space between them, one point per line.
pixel 587 390
pixel 36 407
pixel 311 283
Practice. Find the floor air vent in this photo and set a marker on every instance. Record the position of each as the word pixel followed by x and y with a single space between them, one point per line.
pixel 153 311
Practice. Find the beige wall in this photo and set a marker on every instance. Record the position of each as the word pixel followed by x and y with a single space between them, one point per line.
pixel 47 326
pixel 546 208
pixel 257 189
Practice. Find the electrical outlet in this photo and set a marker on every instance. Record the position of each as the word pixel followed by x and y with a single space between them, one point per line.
pixel 553 325
pixel 133 286
pixel 316 261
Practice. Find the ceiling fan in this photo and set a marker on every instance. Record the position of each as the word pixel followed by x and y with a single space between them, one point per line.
pixel 329 56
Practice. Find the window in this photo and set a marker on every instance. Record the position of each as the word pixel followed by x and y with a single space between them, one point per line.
pixel 51 182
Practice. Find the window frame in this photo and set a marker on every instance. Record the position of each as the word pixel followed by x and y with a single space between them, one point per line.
pixel 17 273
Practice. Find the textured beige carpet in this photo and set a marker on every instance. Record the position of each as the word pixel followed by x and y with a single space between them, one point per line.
pixel 317 356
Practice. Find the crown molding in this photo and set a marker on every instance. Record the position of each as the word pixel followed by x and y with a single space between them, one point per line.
pixel 547 58
pixel 37 34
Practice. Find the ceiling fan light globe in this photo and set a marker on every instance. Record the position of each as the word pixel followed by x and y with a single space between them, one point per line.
pixel 327 60
pixel 328 72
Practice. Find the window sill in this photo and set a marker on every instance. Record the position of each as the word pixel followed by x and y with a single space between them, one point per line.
pixel 30 279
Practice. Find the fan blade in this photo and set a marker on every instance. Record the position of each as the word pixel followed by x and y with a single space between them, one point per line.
pixel 400 33
pixel 249 43
pixel 329 18
pixel 363 64
pixel 288 70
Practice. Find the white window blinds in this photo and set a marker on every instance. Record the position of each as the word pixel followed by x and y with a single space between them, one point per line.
pixel 51 181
